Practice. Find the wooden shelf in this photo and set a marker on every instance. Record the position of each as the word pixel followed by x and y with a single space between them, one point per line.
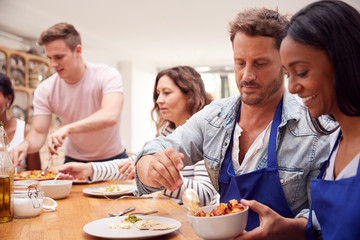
pixel 26 72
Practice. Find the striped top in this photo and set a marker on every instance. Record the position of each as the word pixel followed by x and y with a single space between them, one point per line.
pixel 194 176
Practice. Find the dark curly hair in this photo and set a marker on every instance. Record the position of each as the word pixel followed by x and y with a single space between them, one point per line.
pixel 6 87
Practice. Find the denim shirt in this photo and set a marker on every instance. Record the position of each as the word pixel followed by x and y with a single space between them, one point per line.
pixel 206 135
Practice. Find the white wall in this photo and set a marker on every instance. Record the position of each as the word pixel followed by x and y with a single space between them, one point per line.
pixel 143 80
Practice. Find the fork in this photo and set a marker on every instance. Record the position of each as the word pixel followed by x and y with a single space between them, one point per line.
pixel 122 212
pixel 127 196
pixel 138 213
pixel 47 167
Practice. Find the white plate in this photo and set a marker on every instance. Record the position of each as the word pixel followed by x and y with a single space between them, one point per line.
pixel 100 228
pixel 84 181
pixel 90 191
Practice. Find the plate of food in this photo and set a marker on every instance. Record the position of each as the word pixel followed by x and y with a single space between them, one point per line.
pixel 34 175
pixel 110 190
pixel 132 227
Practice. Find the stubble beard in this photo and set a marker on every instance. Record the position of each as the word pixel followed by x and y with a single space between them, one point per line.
pixel 265 93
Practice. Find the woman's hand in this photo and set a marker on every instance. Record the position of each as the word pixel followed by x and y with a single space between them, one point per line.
pixel 127 169
pixel 74 170
pixel 272 225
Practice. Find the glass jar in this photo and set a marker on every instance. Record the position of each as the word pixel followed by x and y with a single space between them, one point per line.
pixel 28 199
pixel 6 181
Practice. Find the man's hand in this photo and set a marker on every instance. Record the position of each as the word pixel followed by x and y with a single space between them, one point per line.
pixel 56 139
pixel 74 170
pixel 161 169
pixel 272 225
pixel 18 153
pixel 127 169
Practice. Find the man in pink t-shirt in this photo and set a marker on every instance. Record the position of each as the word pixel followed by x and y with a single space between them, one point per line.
pixel 88 99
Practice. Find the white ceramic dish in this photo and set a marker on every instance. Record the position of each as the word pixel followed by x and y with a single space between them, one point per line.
pixel 93 191
pixel 219 227
pixel 60 188
pixel 100 228
pixel 84 181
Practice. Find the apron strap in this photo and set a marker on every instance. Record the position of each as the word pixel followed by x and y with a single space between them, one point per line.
pixel 272 163
pixel 326 163
pixel 224 177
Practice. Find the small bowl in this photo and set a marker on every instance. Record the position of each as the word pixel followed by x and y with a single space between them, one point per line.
pixel 60 188
pixel 219 227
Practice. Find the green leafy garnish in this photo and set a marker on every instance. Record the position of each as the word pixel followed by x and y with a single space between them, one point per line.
pixel 132 219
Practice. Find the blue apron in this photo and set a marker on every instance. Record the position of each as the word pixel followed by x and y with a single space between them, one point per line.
pixel 336 205
pixel 262 185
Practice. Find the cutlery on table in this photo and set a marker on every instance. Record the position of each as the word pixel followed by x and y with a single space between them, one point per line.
pixel 122 212
pixel 137 213
pixel 127 196
pixel 143 213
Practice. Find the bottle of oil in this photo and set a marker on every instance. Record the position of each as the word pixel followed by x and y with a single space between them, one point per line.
pixel 6 181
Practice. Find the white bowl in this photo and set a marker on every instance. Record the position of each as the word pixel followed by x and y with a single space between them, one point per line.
pixel 60 189
pixel 219 227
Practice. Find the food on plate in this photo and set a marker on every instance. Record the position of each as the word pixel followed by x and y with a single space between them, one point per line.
pixel 233 206
pixel 113 189
pixel 120 225
pixel 153 225
pixel 127 223
pixel 145 224
pixel 132 219
pixel 34 174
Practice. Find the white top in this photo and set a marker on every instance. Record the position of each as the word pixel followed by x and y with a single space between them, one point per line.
pixel 256 150
pixel 17 139
pixel 350 169
pixel 73 102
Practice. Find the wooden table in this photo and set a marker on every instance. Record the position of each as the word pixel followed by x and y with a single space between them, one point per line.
pixel 78 209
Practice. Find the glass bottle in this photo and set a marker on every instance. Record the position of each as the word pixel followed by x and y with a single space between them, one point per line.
pixel 6 181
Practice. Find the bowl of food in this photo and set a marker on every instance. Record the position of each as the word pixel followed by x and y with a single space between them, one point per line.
pixel 224 221
pixel 56 190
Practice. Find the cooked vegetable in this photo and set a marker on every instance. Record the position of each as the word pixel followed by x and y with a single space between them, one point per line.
pixel 132 219
pixel 233 206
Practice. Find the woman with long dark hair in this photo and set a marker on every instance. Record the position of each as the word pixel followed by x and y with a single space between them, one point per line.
pixel 321 54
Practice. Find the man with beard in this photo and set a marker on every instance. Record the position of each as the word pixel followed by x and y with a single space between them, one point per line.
pixel 257 146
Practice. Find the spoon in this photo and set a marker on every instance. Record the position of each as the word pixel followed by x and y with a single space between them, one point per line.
pixel 56 178
pixel 191 200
